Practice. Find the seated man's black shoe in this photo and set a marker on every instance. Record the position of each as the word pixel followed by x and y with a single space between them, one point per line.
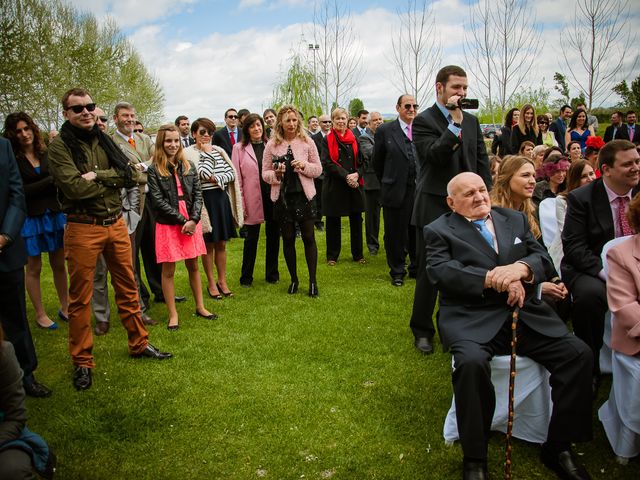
pixel 564 464
pixel 474 470
pixel 180 299
pixel 397 281
pixel 152 352
pixel 82 378
pixel 424 345
pixel 36 389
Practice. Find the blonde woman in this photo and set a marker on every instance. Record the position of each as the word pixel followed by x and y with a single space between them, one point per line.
pixel 526 129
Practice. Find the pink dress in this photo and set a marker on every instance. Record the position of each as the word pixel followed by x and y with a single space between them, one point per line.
pixel 171 244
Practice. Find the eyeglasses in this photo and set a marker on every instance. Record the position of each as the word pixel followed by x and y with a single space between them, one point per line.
pixel 204 132
pixel 408 106
pixel 325 121
pixel 103 119
pixel 80 108
pixel 138 130
pixel 232 116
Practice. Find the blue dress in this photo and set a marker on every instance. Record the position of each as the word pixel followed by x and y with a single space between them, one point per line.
pixel 43 233
pixel 581 139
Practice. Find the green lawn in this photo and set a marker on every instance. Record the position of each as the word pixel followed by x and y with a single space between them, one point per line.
pixel 279 387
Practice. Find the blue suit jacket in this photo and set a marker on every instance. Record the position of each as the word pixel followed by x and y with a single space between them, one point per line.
pixel 13 209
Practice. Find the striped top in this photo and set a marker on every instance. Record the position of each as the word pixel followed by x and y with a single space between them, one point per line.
pixel 212 164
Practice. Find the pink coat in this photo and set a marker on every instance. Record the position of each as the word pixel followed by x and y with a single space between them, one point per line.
pixel 302 150
pixel 246 165
pixel 623 295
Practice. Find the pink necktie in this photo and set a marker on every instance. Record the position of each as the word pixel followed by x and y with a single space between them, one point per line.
pixel 623 221
pixel 632 131
pixel 410 132
pixel 233 138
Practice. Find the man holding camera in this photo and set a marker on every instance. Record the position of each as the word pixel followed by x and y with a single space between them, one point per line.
pixel 448 141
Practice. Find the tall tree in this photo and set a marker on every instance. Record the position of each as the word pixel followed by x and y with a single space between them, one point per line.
pixel 339 63
pixel 48 46
pixel 355 105
pixel 298 87
pixel 417 49
pixel 605 45
pixel 502 40
pixel 630 96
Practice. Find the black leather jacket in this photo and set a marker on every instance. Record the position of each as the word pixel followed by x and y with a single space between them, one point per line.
pixel 163 192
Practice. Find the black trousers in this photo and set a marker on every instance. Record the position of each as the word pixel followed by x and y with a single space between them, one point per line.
pixel 569 361
pixel 13 318
pixel 317 182
pixel 372 219
pixel 589 308
pixel 396 235
pixel 250 249
pixel 146 246
pixel 333 230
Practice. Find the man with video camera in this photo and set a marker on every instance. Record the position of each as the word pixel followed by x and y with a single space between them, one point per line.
pixel 448 141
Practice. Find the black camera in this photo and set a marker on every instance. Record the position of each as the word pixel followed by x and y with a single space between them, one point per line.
pixel 285 159
pixel 464 104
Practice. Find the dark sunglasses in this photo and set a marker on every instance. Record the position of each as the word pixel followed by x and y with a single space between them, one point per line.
pixel 204 132
pixel 232 116
pixel 408 106
pixel 138 130
pixel 325 121
pixel 79 108
pixel 543 123
pixel 102 119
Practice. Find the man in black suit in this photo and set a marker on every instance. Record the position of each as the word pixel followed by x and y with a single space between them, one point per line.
pixel 611 131
pixel 363 123
pixel 559 126
pixel 394 160
pixel 447 142
pixel 371 184
pixel 182 122
pixel 594 217
pixel 325 127
pixel 13 257
pixel 630 130
pixel 485 263
pixel 228 135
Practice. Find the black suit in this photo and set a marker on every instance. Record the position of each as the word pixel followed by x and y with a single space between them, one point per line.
pixel 475 324
pixel 222 139
pixel 559 128
pixel 441 156
pixel 13 310
pixel 588 226
pixel 317 139
pixel 371 193
pixel 623 133
pixel 394 161
pixel 611 133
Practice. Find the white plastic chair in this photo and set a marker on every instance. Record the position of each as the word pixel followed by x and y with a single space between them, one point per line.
pixel 532 406
pixel 548 222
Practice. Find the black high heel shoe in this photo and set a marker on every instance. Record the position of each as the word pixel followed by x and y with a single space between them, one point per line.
pixel 313 289
pixel 293 288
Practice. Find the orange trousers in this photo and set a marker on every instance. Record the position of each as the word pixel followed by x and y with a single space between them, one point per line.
pixel 83 243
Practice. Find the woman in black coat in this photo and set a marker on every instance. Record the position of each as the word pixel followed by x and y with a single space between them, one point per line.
pixel 501 144
pixel 342 189
pixel 526 129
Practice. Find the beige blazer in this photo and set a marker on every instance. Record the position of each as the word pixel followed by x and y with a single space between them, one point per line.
pixel 623 295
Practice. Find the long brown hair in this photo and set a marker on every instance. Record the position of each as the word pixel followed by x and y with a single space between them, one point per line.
pixel 574 176
pixel 534 123
pixel 10 126
pixel 160 159
pixel 501 195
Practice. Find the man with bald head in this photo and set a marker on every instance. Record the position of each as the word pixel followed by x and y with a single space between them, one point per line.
pixel 485 263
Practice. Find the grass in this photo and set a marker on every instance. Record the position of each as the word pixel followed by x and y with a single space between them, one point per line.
pixel 279 387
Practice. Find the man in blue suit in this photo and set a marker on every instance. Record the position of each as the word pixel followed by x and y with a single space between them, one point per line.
pixel 559 126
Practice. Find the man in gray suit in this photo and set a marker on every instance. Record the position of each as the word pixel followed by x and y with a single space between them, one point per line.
pixel 371 183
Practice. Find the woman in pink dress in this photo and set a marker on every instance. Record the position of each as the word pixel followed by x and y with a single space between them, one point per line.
pixel 176 197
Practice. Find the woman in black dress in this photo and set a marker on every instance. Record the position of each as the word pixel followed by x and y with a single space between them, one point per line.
pixel 342 190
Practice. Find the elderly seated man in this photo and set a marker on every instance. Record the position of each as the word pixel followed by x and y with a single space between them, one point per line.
pixel 485 262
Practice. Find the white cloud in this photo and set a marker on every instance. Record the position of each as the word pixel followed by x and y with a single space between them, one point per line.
pixel 250 3
pixel 132 13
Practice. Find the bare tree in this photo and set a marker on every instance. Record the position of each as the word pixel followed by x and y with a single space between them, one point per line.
pixel 339 64
pixel 502 40
pixel 603 40
pixel 417 48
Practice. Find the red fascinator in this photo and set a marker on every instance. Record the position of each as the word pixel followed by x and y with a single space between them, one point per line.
pixel 594 142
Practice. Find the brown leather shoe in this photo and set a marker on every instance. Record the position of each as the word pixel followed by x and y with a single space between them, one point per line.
pixel 147 320
pixel 102 328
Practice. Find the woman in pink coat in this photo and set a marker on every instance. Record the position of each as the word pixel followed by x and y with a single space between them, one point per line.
pixel 291 162
pixel 257 206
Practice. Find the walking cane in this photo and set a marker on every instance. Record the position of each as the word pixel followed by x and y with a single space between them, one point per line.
pixel 512 377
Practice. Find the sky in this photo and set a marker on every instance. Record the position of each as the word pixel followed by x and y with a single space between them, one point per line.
pixel 209 55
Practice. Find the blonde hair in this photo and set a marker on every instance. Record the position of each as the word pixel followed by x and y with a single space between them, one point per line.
pixel 534 122
pixel 278 130
pixel 501 195
pixel 160 159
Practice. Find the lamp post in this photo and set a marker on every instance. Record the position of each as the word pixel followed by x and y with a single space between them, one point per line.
pixel 314 47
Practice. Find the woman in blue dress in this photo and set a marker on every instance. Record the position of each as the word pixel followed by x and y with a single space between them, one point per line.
pixel 43 228
pixel 578 130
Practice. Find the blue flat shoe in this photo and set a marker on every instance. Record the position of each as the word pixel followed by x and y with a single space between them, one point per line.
pixel 62 316
pixel 53 326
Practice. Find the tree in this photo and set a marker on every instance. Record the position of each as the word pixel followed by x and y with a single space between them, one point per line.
pixel 355 105
pixel 562 87
pixel 417 49
pixel 630 96
pixel 502 40
pixel 48 46
pixel 339 63
pixel 604 43
pixel 297 87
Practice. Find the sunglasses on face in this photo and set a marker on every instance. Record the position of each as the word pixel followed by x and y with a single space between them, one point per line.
pixel 138 130
pixel 232 116
pixel 80 108
pixel 408 106
pixel 204 132
pixel 326 121
pixel 102 119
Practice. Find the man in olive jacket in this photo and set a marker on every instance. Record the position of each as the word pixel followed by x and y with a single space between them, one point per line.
pixel 89 170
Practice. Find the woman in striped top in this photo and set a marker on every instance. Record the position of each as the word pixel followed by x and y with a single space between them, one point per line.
pixel 221 198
